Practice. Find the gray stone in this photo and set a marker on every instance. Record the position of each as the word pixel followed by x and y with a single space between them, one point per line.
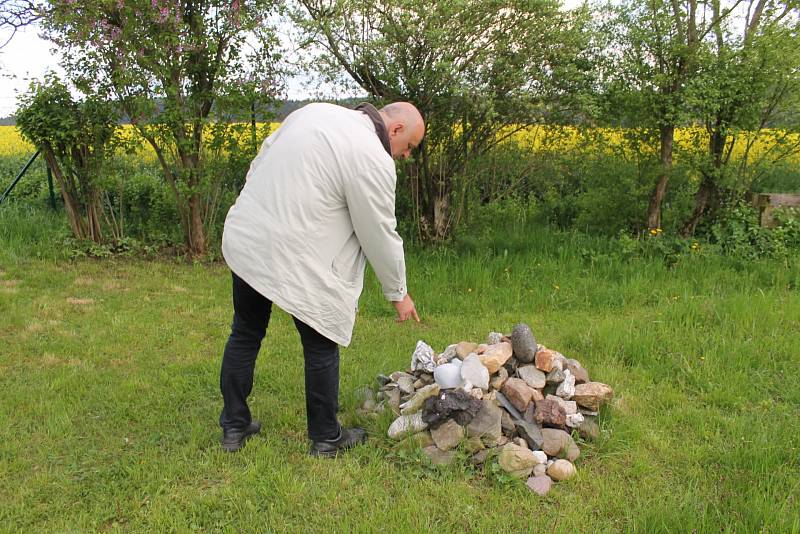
pixel 423 439
pixel 480 457
pixel 532 376
pixel 506 423
pixel 574 420
pixel 450 404
pixel 530 432
pixel 539 470
pixel 558 443
pixel 393 399
pixel 447 435
pixel 439 457
pixel 383 380
pixel 524 343
pixel 406 384
pixel 416 402
pixel 474 372
pixel 487 423
pixel 494 338
pixel 561 470
pixel 398 374
pixel 556 376
pixel 407 424
pixel 539 484
pixel 520 442
pixel 566 389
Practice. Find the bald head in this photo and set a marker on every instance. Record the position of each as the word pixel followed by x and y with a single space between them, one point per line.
pixel 405 127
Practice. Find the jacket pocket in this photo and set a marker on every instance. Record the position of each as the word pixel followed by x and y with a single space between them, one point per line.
pixel 348 264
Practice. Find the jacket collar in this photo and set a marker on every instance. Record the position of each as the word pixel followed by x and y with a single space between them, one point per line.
pixel 377 121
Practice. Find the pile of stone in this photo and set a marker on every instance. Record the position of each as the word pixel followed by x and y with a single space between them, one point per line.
pixel 508 398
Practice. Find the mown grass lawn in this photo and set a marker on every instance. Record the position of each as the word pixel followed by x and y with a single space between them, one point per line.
pixel 109 397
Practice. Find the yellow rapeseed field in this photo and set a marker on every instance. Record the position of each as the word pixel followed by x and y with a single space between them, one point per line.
pixel 769 143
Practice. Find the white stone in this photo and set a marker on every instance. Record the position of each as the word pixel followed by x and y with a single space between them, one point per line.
pixel 423 357
pixel 541 456
pixel 566 389
pixel 448 375
pixel 474 372
pixel 494 338
pixel 407 424
pixel 574 420
pixel 570 407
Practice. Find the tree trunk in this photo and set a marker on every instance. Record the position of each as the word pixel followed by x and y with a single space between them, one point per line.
pixel 71 206
pixel 707 194
pixel 667 135
pixel 196 238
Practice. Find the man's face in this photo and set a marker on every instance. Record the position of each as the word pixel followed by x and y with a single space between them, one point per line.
pixel 403 139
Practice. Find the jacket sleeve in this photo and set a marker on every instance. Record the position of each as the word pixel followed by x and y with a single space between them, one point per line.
pixel 370 200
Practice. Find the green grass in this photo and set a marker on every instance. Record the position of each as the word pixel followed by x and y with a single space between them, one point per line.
pixel 109 399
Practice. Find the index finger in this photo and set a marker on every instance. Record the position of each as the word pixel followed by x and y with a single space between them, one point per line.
pixel 414 313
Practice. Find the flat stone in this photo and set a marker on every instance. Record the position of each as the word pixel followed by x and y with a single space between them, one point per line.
pixel 497 381
pixel 539 470
pixel 550 414
pixel 518 393
pixel 523 343
pixel 546 359
pixel 487 423
pixel 416 402
pixel 474 372
pixel 532 376
pixel 407 424
pixel 578 371
pixel 566 389
pixel 399 374
pixel 465 348
pixel 530 413
pixel 540 484
pixel 450 404
pixel 516 460
pixel 561 470
pixel 447 435
pixel 592 395
pixel 559 444
pixel 439 457
pixel 406 384
pixel 448 375
pixel 556 376
pixel 495 356
pixel 531 433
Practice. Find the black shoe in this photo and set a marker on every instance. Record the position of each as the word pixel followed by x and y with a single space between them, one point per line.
pixel 233 440
pixel 348 437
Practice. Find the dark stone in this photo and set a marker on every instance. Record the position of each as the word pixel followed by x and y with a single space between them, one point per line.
pixel 556 376
pixel 383 380
pixel 529 414
pixel 531 433
pixel 551 414
pixel 550 389
pixel 524 343
pixel 506 423
pixel 455 404
pixel 511 365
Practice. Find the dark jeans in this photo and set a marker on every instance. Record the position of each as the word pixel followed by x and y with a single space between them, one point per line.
pixel 251 312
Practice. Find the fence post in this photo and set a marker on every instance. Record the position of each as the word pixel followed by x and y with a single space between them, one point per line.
pixel 19 177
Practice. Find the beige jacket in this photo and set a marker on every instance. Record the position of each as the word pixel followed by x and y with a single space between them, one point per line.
pixel 318 201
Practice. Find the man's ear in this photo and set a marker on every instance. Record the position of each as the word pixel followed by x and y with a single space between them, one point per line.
pixel 396 128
